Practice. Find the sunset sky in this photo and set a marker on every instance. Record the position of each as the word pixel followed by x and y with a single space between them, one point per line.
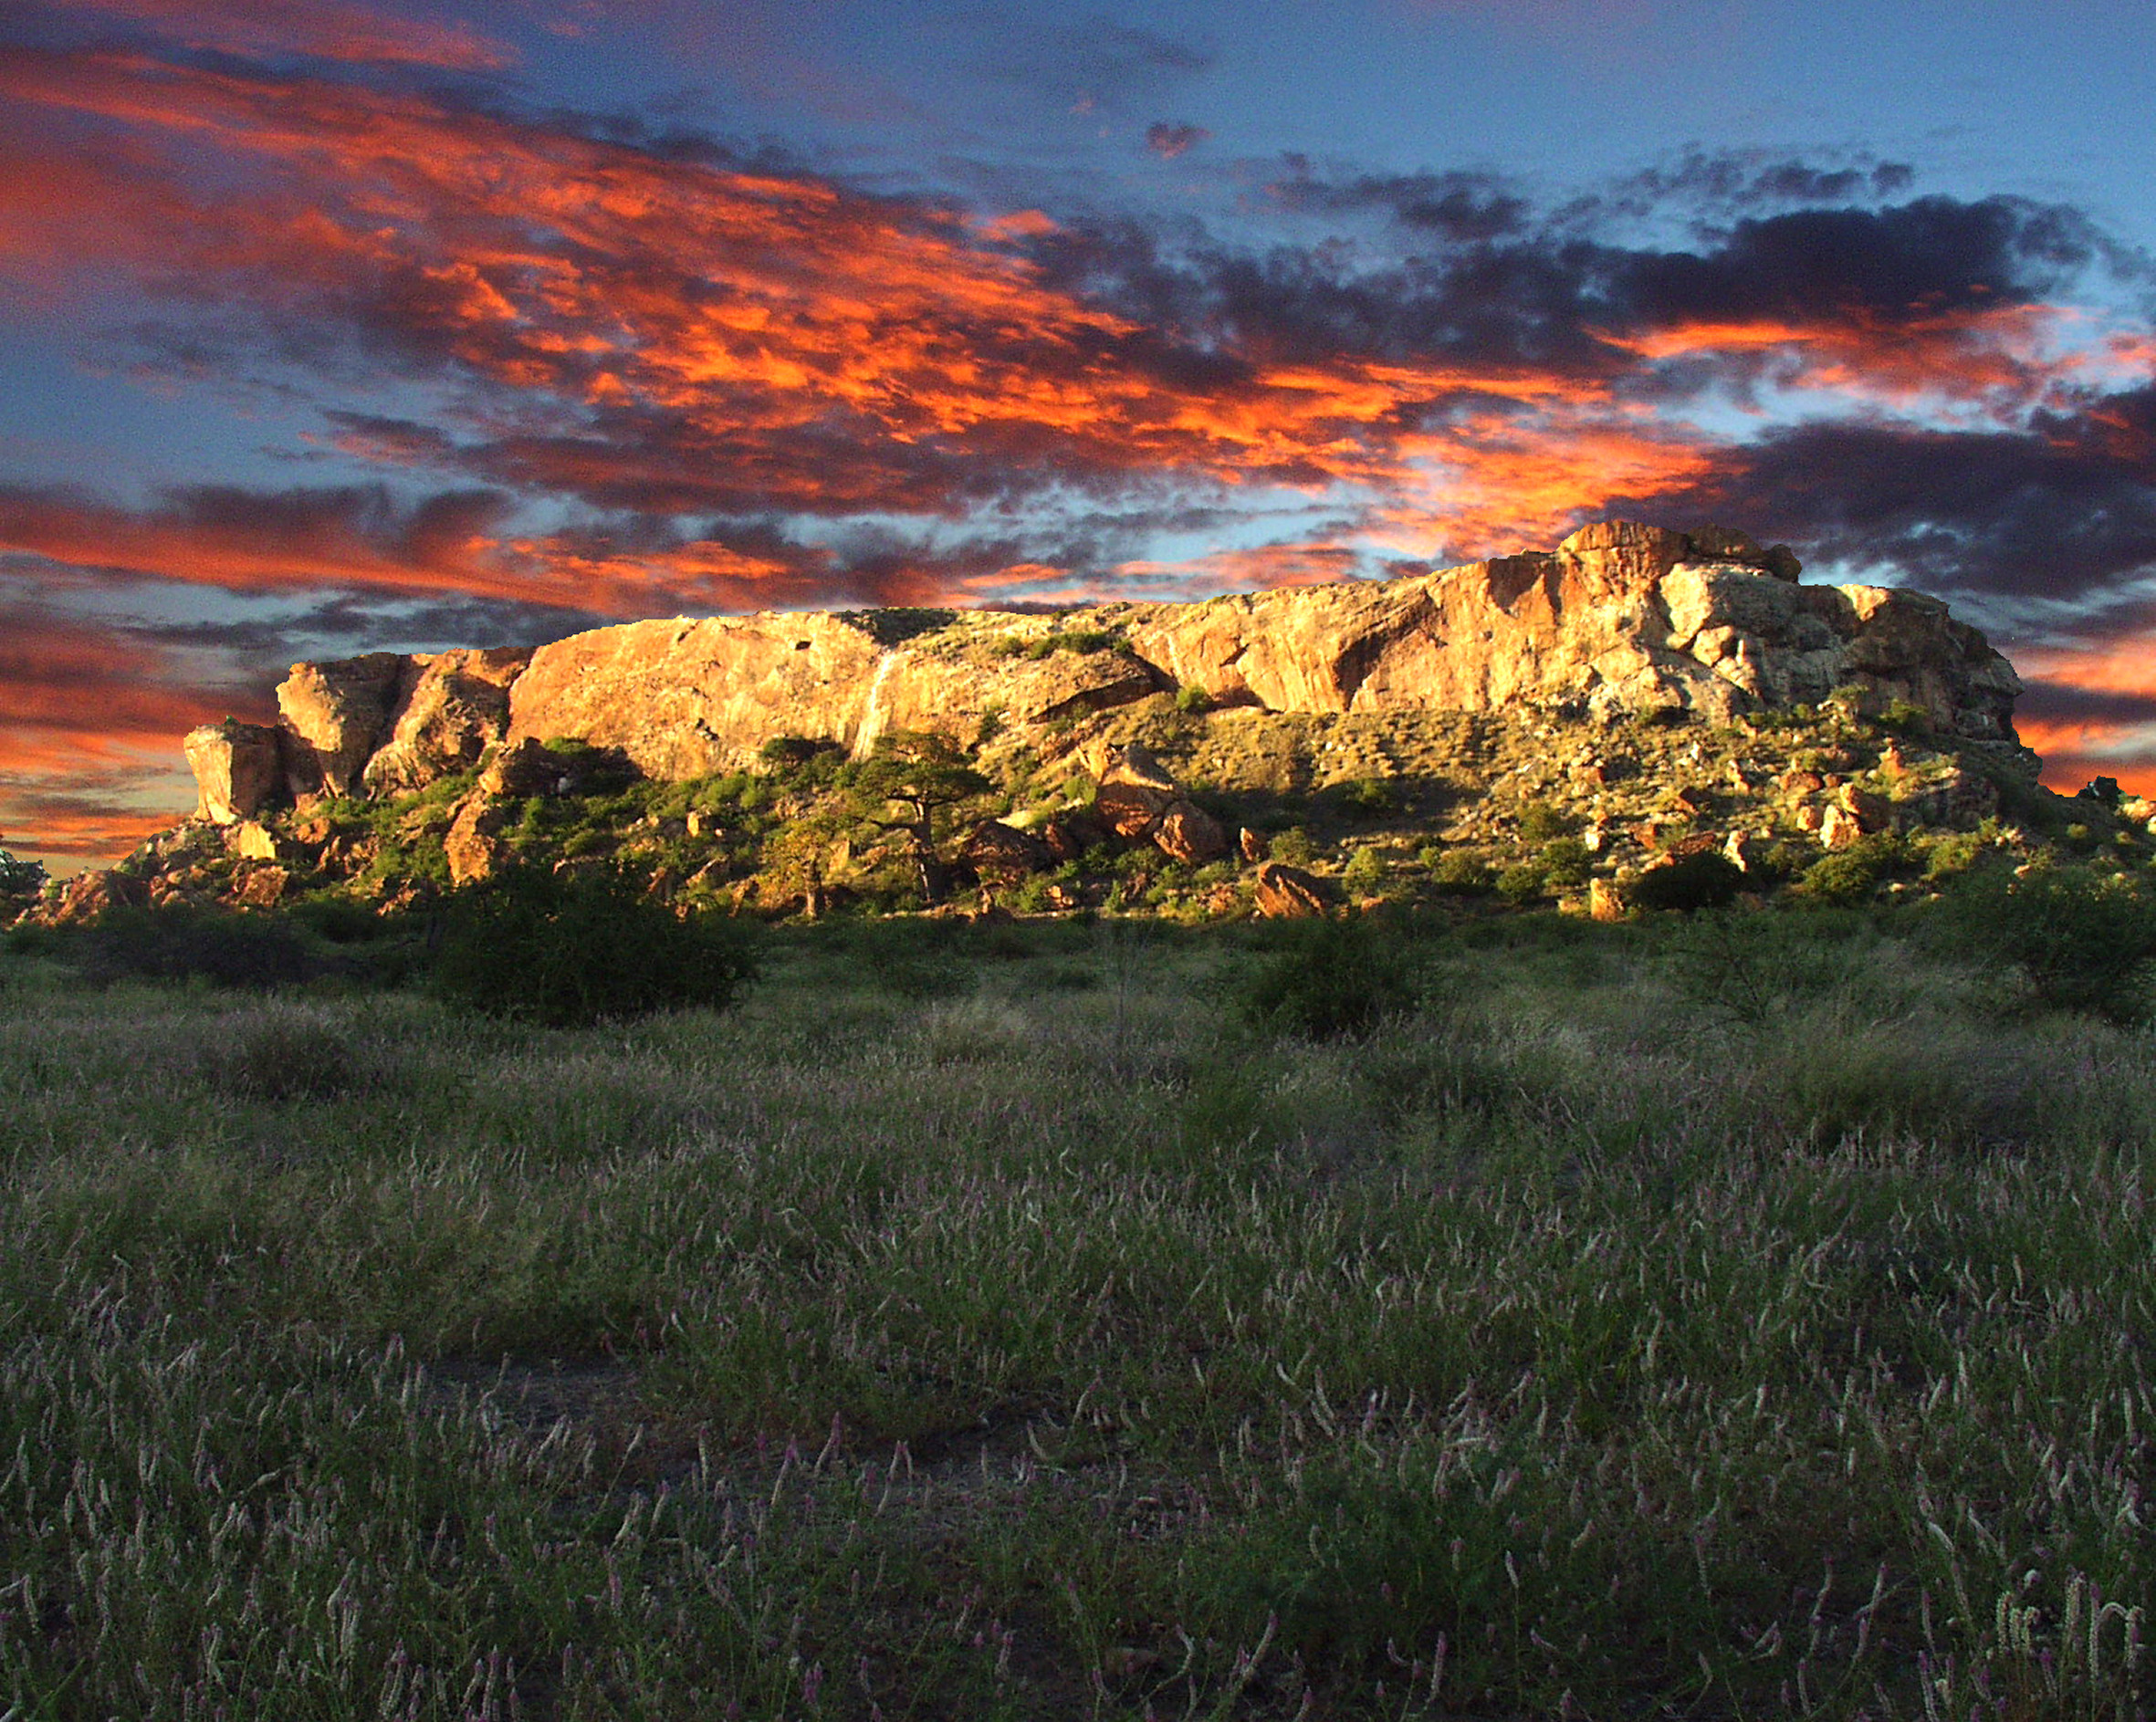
pixel 329 328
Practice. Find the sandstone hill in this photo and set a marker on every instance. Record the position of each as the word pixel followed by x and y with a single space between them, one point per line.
pixel 1636 696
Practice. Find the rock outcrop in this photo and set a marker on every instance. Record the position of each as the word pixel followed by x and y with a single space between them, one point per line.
pixel 1425 718
pixel 237 769
pixel 1621 620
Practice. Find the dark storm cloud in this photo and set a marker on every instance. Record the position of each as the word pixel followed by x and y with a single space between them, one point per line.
pixel 1917 259
pixel 1725 180
pixel 2064 511
pixel 1459 206
pixel 2060 704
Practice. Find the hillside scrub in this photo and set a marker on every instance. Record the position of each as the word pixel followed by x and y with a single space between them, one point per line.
pixel 1721 1315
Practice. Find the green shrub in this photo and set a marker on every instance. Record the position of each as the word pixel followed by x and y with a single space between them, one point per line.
pixel 1696 881
pixel 1845 877
pixel 1524 882
pixel 1368 798
pixel 1331 980
pixel 1457 872
pixel 1293 846
pixel 1950 856
pixel 1566 862
pixel 1193 699
pixel 285 1059
pixel 2086 942
pixel 1541 823
pixel 569 950
pixel 1364 871
pixel 1905 717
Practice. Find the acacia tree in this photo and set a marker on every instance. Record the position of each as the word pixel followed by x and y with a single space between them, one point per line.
pixel 915 781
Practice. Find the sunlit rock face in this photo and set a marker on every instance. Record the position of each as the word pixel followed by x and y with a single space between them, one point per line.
pixel 1622 620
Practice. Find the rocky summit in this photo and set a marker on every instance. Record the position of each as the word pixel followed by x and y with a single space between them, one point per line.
pixel 1635 696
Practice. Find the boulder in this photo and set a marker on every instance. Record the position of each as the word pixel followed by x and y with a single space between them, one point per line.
pixel 1252 845
pixel 521 769
pixel 1069 835
pixel 88 895
pixel 1867 813
pixel 236 768
pixel 1134 792
pixel 451 711
pixel 249 840
pixel 260 885
pixel 336 713
pixel 1284 893
pixel 1001 854
pixel 472 845
pixel 1187 833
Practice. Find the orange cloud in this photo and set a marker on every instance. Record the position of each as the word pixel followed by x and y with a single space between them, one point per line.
pixel 326 29
pixel 90 725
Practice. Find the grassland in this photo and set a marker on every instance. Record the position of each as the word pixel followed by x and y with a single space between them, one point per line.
pixel 1742 1319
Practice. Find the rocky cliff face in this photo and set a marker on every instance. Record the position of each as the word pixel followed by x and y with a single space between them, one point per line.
pixel 1621 621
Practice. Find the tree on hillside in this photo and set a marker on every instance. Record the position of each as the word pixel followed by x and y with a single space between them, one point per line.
pixel 915 781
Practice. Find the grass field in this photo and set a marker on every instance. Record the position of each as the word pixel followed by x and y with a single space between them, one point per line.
pixel 1753 1318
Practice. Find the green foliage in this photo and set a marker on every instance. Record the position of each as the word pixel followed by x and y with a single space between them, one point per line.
pixel 567 950
pixel 1753 968
pixel 789 755
pixel 1084 641
pixel 282 1058
pixel 1952 855
pixel 1364 871
pixel 1295 847
pixel 1332 980
pixel 1905 717
pixel 1368 799
pixel 2086 942
pixel 917 782
pixel 1524 882
pixel 1457 872
pixel 1694 883
pixel 1540 822
pixel 1566 862
pixel 1193 699
pixel 1845 877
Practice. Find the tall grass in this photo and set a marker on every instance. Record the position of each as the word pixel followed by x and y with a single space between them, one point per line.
pixel 1608 1337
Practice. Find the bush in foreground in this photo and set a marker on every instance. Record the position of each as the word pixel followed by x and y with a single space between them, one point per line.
pixel 565 951
pixel 2085 942
pixel 1334 981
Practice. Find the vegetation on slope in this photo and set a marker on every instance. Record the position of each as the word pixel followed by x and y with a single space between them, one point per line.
pixel 1410 807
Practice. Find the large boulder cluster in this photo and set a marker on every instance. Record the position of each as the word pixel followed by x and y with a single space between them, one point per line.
pixel 1622 624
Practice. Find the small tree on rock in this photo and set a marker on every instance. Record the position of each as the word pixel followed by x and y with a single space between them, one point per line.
pixel 917 782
